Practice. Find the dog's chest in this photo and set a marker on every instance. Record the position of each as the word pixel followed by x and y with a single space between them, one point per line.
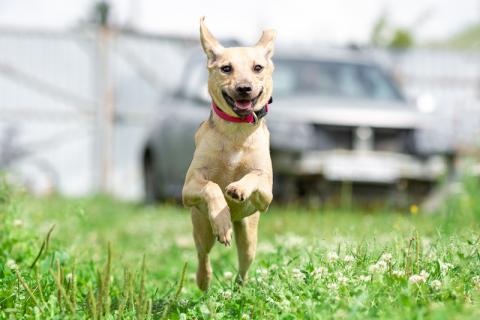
pixel 234 158
pixel 232 165
pixel 227 158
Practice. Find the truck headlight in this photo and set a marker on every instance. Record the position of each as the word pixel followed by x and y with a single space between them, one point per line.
pixel 426 103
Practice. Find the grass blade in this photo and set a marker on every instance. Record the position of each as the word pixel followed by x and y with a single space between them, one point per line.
pixel 27 288
pixel 62 292
pixel 177 293
pixel 91 302
pixel 44 247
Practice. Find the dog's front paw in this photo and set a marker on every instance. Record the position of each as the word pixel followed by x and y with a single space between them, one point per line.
pixel 222 226
pixel 237 192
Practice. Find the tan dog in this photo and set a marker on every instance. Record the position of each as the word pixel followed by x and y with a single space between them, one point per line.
pixel 230 177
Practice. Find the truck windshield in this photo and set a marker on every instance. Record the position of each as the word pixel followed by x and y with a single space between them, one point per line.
pixel 333 80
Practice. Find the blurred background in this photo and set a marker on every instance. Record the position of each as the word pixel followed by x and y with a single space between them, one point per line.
pixel 104 96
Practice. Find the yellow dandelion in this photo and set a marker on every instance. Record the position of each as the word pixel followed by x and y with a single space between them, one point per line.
pixel 413 209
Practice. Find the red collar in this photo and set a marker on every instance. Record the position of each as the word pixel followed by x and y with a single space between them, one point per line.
pixel 248 119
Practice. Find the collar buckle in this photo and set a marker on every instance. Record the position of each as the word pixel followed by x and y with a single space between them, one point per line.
pixel 255 119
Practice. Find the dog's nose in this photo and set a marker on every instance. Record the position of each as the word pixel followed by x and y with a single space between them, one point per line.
pixel 243 89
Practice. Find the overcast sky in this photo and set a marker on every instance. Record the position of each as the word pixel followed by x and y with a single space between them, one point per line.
pixel 308 21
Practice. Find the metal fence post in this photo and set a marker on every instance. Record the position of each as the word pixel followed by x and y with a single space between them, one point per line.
pixel 104 120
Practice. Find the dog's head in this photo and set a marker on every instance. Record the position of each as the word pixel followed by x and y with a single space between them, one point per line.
pixel 240 78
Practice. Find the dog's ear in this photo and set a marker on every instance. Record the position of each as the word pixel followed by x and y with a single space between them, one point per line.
pixel 266 42
pixel 210 45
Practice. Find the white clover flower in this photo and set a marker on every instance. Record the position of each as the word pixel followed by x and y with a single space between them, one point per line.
pixel 349 258
pixel 332 286
pixel 373 268
pixel 424 274
pixel 364 278
pixel 257 280
pixel 436 285
pixel 342 279
pixel 245 316
pixel 285 303
pixel 332 256
pixel 290 241
pixel 18 223
pixel 387 257
pixel 270 300
pixel 182 316
pixel 298 274
pixel 426 243
pixel 398 273
pixel 204 309
pixel 382 265
pixel 432 255
pixel 416 279
pixel 227 294
pixel 445 267
pixel 11 264
pixel 320 271
pixel 262 271
pixel 476 282
pixel 69 276
pixel 379 267
pixel 228 275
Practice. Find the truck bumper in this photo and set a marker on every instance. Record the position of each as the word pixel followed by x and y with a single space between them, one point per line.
pixel 361 166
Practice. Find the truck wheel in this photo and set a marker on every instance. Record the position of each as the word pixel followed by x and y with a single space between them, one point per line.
pixel 285 188
pixel 151 179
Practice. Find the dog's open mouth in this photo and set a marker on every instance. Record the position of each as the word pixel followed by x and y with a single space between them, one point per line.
pixel 242 107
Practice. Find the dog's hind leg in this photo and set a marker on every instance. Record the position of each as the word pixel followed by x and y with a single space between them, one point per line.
pixel 246 238
pixel 204 241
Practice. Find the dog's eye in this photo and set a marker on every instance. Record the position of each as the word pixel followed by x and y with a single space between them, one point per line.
pixel 258 68
pixel 226 69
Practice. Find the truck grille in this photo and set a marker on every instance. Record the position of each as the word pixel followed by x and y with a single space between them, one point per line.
pixel 384 139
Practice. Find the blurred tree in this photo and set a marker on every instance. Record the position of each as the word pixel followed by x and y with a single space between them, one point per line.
pixel 402 39
pixel 101 13
pixel 468 38
pixel 377 38
pixel 385 35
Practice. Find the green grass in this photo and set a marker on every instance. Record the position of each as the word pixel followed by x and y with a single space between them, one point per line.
pixel 311 264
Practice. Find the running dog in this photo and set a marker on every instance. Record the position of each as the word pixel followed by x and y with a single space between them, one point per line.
pixel 229 181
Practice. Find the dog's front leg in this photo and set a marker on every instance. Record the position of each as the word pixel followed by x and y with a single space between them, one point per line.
pixel 198 192
pixel 256 186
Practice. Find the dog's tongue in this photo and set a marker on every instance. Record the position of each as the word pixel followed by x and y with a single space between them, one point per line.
pixel 243 104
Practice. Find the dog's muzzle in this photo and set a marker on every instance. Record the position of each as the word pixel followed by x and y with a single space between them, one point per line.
pixel 241 106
